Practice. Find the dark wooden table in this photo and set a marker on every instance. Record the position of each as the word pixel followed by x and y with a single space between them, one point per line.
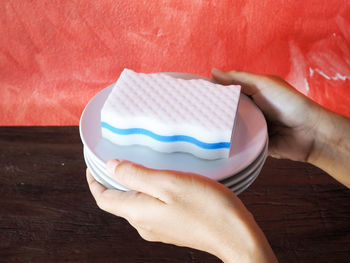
pixel 48 215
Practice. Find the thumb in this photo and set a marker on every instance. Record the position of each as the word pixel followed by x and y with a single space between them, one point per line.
pixel 156 183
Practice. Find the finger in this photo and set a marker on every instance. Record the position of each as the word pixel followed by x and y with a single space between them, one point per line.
pixel 251 83
pixel 156 183
pixel 222 77
pixel 95 187
pixel 97 190
pixel 130 204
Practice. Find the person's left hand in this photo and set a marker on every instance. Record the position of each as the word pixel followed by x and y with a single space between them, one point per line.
pixel 185 210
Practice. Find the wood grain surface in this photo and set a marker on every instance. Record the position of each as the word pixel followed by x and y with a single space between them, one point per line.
pixel 47 213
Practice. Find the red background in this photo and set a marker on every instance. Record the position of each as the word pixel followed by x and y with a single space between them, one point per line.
pixel 55 55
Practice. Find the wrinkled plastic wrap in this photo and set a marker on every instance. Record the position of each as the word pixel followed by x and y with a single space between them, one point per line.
pixel 55 55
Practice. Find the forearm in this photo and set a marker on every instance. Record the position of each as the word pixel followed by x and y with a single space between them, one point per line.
pixel 261 252
pixel 331 149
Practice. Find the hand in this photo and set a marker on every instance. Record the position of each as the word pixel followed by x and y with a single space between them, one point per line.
pixel 299 129
pixel 184 210
pixel 290 115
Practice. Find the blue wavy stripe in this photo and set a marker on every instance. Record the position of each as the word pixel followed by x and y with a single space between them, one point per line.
pixel 163 138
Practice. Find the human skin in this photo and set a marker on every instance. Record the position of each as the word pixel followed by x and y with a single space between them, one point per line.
pixel 193 211
pixel 184 210
pixel 299 129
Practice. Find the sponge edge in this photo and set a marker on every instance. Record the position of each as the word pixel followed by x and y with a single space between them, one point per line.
pixel 171 115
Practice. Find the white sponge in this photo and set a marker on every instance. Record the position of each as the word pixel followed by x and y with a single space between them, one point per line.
pixel 171 114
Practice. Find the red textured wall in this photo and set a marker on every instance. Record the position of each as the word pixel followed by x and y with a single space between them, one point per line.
pixel 55 55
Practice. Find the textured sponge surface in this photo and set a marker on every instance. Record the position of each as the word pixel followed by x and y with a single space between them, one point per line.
pixel 171 114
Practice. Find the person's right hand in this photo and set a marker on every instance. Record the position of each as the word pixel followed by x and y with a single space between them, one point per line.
pixel 299 129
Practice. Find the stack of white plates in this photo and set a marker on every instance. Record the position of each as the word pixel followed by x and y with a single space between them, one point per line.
pixel 238 172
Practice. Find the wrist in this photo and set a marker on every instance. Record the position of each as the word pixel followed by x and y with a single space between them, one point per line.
pixel 331 149
pixel 253 246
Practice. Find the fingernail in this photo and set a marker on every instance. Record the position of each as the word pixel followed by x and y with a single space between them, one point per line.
pixel 111 165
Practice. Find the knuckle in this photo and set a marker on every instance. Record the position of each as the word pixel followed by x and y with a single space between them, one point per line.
pixel 101 204
pixel 135 218
pixel 263 78
pixel 174 180
pixel 169 195
pixel 170 189
pixel 147 234
pixel 272 76
pixel 145 230
pixel 128 172
pixel 232 72
pixel 276 79
pixel 121 171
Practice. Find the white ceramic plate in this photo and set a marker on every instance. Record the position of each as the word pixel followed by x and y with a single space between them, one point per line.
pixel 234 179
pixel 231 181
pixel 108 182
pixel 237 183
pixel 248 142
pixel 94 173
pixel 239 190
pixel 245 181
pixel 238 175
